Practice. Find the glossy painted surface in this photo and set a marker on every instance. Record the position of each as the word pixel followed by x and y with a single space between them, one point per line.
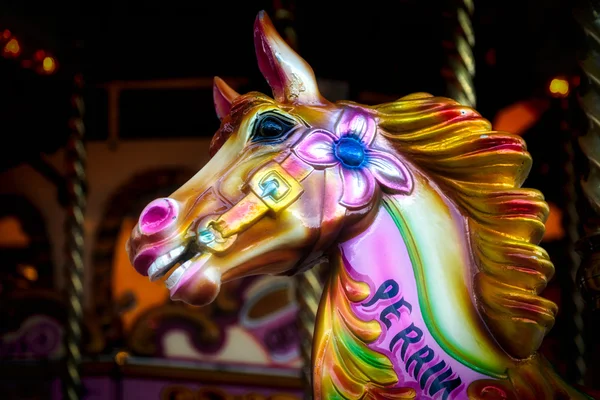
pixel 417 360
pixel 416 203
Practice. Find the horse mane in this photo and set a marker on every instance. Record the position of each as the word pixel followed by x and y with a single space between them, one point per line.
pixel 482 172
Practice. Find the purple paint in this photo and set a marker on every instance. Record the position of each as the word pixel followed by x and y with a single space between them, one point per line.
pixel 95 388
pixel 418 360
pixel 159 215
pixel 38 337
pixel 277 332
pixel 105 388
pixel 153 388
pixel 143 261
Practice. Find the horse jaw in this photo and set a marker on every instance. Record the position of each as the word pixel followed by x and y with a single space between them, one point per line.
pixel 197 283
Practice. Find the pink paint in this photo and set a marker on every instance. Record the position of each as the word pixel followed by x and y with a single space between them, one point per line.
pixel 352 141
pixel 377 256
pixel 144 259
pixel 159 215
pixel 266 58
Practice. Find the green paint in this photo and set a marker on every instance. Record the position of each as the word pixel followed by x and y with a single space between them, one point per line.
pixel 424 302
pixel 348 346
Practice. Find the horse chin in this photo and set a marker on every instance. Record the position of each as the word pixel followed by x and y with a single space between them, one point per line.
pixel 196 282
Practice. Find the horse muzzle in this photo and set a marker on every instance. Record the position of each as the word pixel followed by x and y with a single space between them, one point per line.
pixel 157 246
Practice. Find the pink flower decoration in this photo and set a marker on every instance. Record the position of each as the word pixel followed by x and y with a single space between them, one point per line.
pixel 349 150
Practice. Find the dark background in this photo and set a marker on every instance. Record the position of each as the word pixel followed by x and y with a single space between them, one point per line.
pixel 387 48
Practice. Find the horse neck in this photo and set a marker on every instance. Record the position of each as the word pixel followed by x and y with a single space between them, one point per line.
pixel 411 269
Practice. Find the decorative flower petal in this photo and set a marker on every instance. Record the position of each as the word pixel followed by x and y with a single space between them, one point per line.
pixel 359 186
pixel 333 212
pixel 317 149
pixel 354 122
pixel 389 171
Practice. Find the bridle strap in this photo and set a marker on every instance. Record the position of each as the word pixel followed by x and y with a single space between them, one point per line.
pixel 272 188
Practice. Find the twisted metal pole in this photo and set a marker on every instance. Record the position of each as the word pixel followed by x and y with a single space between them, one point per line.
pixel 459 70
pixel 588 274
pixel 309 286
pixel 74 234
pixel 577 368
pixel 590 145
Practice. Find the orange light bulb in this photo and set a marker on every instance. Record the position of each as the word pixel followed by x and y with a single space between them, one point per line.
pixel 559 87
pixel 12 48
pixel 49 65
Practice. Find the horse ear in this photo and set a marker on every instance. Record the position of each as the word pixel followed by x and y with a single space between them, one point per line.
pixel 223 96
pixel 290 77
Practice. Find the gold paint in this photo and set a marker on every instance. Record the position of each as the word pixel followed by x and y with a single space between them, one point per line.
pixel 355 291
pixel 288 189
pixel 241 216
pixel 537 379
pixel 339 335
pixel 445 271
pixel 457 150
pixel 296 167
pixel 456 154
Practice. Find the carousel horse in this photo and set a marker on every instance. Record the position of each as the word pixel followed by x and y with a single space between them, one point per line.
pixel 434 269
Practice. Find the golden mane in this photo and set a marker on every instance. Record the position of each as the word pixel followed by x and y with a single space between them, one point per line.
pixel 482 172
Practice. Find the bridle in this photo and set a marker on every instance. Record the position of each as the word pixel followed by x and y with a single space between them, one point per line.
pixel 271 189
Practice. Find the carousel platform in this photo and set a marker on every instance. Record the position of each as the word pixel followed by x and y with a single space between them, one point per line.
pixel 125 377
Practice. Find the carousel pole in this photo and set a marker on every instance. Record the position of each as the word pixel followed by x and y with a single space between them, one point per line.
pixel 74 235
pixel 308 295
pixel 588 274
pixel 459 70
pixel 576 363
pixel 309 285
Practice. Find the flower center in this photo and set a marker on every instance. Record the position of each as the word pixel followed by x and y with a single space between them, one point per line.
pixel 350 151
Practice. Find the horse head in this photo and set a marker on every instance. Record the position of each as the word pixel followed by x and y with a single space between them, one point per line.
pixel 289 176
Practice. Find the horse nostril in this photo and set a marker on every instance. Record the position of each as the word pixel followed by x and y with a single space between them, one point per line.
pixel 157 216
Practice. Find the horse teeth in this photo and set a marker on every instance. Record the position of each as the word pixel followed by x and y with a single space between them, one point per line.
pixel 176 252
pixel 177 274
pixel 162 264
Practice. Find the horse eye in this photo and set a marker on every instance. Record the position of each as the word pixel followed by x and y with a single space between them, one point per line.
pixel 271 126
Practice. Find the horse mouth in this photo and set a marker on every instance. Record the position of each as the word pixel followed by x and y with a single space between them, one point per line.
pixel 177 260
pixel 191 277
